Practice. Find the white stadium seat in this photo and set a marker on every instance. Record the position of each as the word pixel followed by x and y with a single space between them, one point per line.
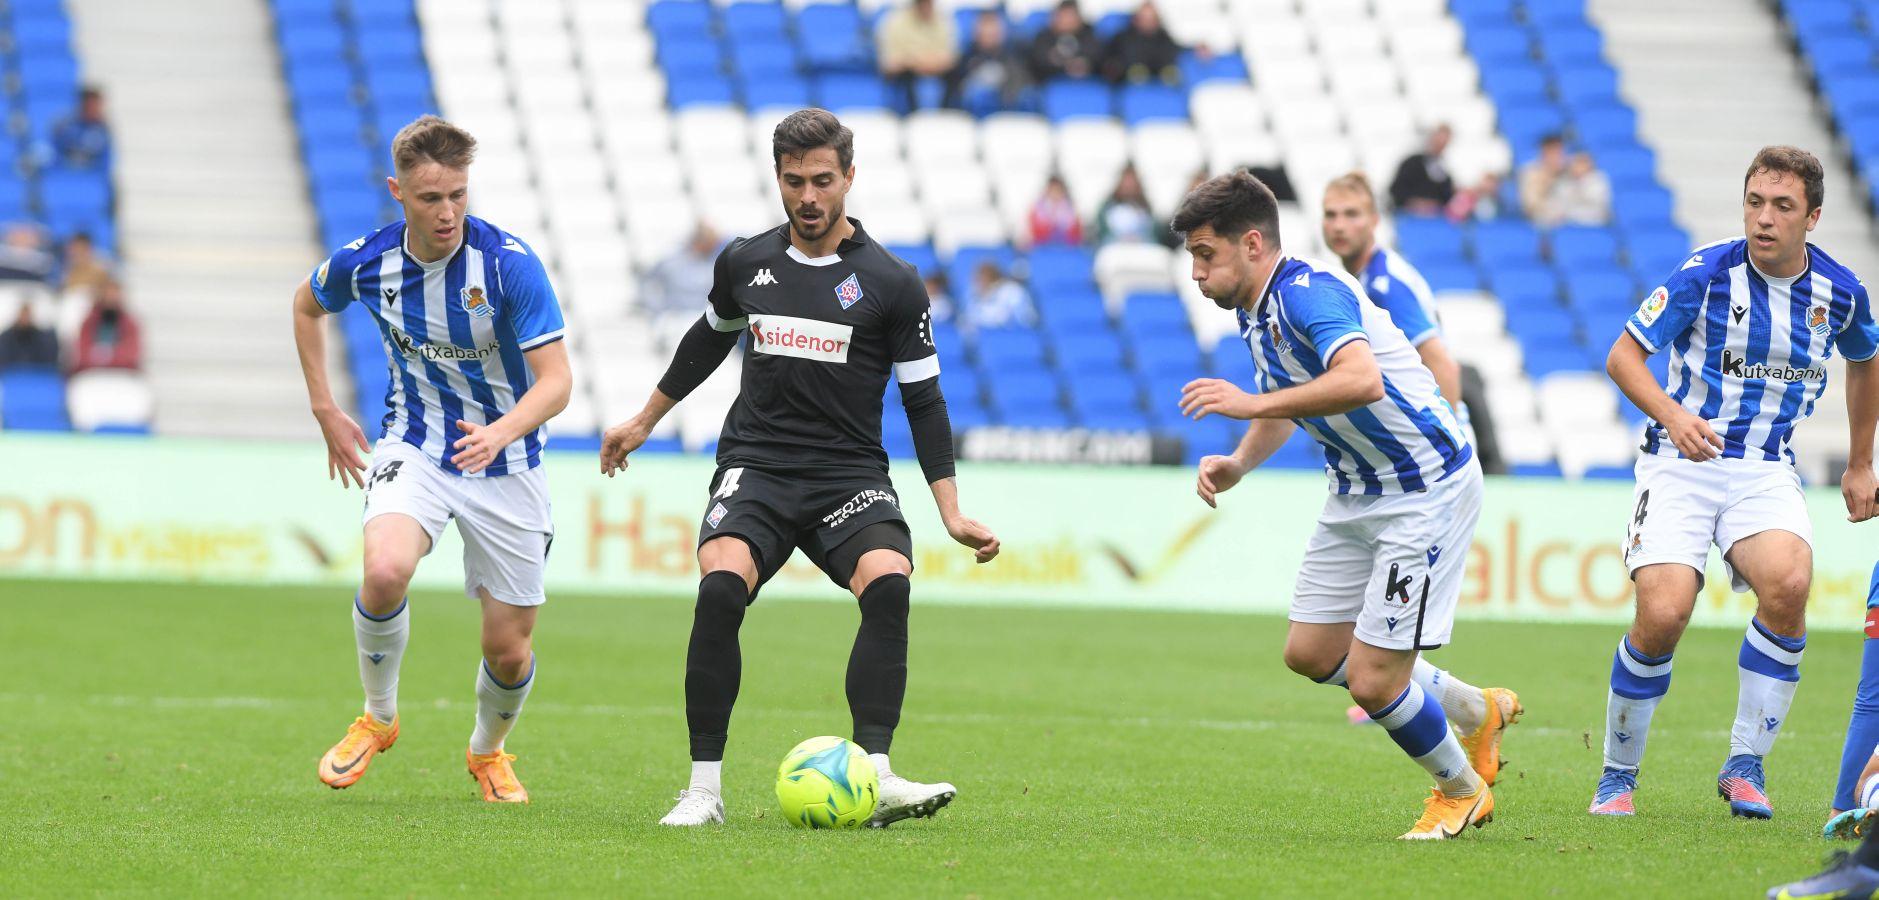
pixel 941 135
pixel 1122 269
pixel 104 397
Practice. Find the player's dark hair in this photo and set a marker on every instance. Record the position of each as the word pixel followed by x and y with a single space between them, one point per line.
pixel 1792 161
pixel 433 139
pixel 812 129
pixel 1232 204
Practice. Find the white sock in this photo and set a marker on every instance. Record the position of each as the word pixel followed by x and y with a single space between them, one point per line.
pixel 381 649
pixel 1464 703
pixel 1768 671
pixel 706 777
pixel 1416 723
pixel 880 764
pixel 497 706
pixel 1638 684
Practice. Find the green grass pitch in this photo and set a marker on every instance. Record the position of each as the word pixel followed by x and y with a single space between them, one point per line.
pixel 163 740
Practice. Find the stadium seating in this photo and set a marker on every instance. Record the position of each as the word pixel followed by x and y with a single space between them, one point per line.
pixel 1839 39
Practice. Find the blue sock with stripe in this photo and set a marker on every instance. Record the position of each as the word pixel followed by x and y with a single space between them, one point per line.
pixel 1769 669
pixel 1638 682
pixel 1417 724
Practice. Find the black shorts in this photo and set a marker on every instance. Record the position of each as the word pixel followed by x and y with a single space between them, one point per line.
pixel 830 516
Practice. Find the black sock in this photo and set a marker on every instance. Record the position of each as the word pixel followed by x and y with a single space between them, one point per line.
pixel 713 662
pixel 877 669
pixel 1867 853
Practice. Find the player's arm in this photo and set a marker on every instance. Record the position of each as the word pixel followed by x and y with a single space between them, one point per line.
pixel 1665 315
pixel 545 399
pixel 916 367
pixel 1220 473
pixel 699 353
pixel 1351 381
pixel 344 439
pixel 1859 342
pixel 1447 372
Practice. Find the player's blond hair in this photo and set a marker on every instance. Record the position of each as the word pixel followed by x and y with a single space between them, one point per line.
pixel 1354 183
pixel 431 139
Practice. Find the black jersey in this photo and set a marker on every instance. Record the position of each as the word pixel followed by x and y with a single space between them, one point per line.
pixel 824 335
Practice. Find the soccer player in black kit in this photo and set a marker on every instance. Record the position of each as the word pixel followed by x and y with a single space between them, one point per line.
pixel 831 315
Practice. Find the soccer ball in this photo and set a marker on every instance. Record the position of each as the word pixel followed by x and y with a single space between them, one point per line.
pixel 827 782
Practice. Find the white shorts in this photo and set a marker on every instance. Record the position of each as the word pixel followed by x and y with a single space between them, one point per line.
pixel 1680 507
pixel 1393 564
pixel 504 520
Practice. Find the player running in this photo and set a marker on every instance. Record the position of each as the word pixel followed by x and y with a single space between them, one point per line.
pixel 1382 573
pixel 472 331
pixel 800 466
pixel 1751 322
pixel 1480 715
pixel 1856 794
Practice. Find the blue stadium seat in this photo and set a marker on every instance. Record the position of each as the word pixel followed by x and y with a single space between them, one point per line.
pixel 1555 13
pixel 380 47
pixel 1505 242
pixel 53 79
pixel 1524 288
pixel 297 8
pixel 1025 389
pixel 1575 246
pixel 382 15
pixel 314 41
pixel 1635 209
pixel 1153 102
pixel 1082 354
pixel 1657 251
pixel 746 21
pixel 1545 358
pixel 1229 67
pixel 33 399
pixel 920 256
pixel 700 91
pixel 837 44
pixel 1601 290
pixel 1628 164
pixel 685 58
pixel 961 384
pixel 1473 10
pixel 41 33
pixel 1113 419
pixel 1571 46
pixel 13 198
pixel 1495 45
pixel 1054 267
pixel 1230 360
pixel 758 59
pixel 679 18
pixel 775 90
pixel 1109 25
pixel 1067 98
pixel 1147 314
pixel 1450 276
pixel 842 91
pixel 1428 240
pixel 1581 86
pixel 1525 125
pixel 1840 54
pixel 72 198
pixel 1608 473
pixel 1534 470
pixel 1079 309
pixel 1167 354
pixel 1095 393
pixel 1605 125
pixel 1010 347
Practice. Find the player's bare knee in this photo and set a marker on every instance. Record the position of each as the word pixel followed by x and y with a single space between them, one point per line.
pixel 1373 689
pixel 1309 663
pixel 511 660
pixel 383 588
pixel 1657 629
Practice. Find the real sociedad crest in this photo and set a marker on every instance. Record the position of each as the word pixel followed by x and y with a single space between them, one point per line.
pixel 476 304
pixel 849 291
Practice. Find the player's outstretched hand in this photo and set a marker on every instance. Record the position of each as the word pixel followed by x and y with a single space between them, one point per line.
pixel 1860 488
pixel 620 440
pixel 1213 395
pixel 344 443
pixel 479 446
pixel 971 533
pixel 1218 474
pixel 1693 437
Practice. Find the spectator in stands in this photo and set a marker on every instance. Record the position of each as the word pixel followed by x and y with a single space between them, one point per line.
pixel 25 344
pixel 1143 52
pixel 23 255
pixel 1125 218
pixel 992 75
pixel 1067 47
pixel 939 297
pixel 84 270
pixel 997 300
pixel 1478 203
pixel 1054 217
pixel 82 140
pixel 1555 189
pixel 1422 186
pixel 109 338
pixel 917 41
pixel 674 290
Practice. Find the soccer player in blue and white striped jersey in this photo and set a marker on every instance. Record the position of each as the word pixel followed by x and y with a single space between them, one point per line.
pixel 1750 323
pixel 1383 572
pixel 472 336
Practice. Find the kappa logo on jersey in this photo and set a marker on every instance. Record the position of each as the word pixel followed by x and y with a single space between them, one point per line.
pixel 411 348
pixel 762 278
pixel 1654 306
pixel 849 291
pixel 801 338
pixel 476 304
pixel 1739 367
pixel 1817 318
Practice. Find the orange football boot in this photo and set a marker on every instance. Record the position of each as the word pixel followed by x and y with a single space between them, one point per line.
pixel 365 738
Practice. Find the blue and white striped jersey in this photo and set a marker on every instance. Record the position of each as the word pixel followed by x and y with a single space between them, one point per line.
pixel 1749 351
pixel 454 332
pixel 1401 443
pixel 1394 284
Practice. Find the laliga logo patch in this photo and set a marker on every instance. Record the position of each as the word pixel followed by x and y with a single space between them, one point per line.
pixel 476 304
pixel 1817 318
pixel 848 292
pixel 1653 306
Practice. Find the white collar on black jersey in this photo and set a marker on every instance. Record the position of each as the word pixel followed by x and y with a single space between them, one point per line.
pixel 431 266
pixel 808 260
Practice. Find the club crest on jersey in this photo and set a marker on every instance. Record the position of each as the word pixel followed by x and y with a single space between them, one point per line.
pixel 849 291
pixel 1817 318
pixel 1279 342
pixel 1653 306
pixel 476 304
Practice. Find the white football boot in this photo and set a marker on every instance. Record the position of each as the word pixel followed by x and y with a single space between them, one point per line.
pixel 696 806
pixel 903 799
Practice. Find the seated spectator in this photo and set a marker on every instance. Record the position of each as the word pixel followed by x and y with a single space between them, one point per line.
pixel 82 140
pixel 1126 219
pixel 23 255
pixel 1054 217
pixel 1066 48
pixel 917 41
pixel 673 292
pixel 1478 203
pixel 992 75
pixel 997 300
pixel 939 297
pixel 1143 52
pixel 25 344
pixel 109 338
pixel 1422 186
pixel 84 269
pixel 1557 190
